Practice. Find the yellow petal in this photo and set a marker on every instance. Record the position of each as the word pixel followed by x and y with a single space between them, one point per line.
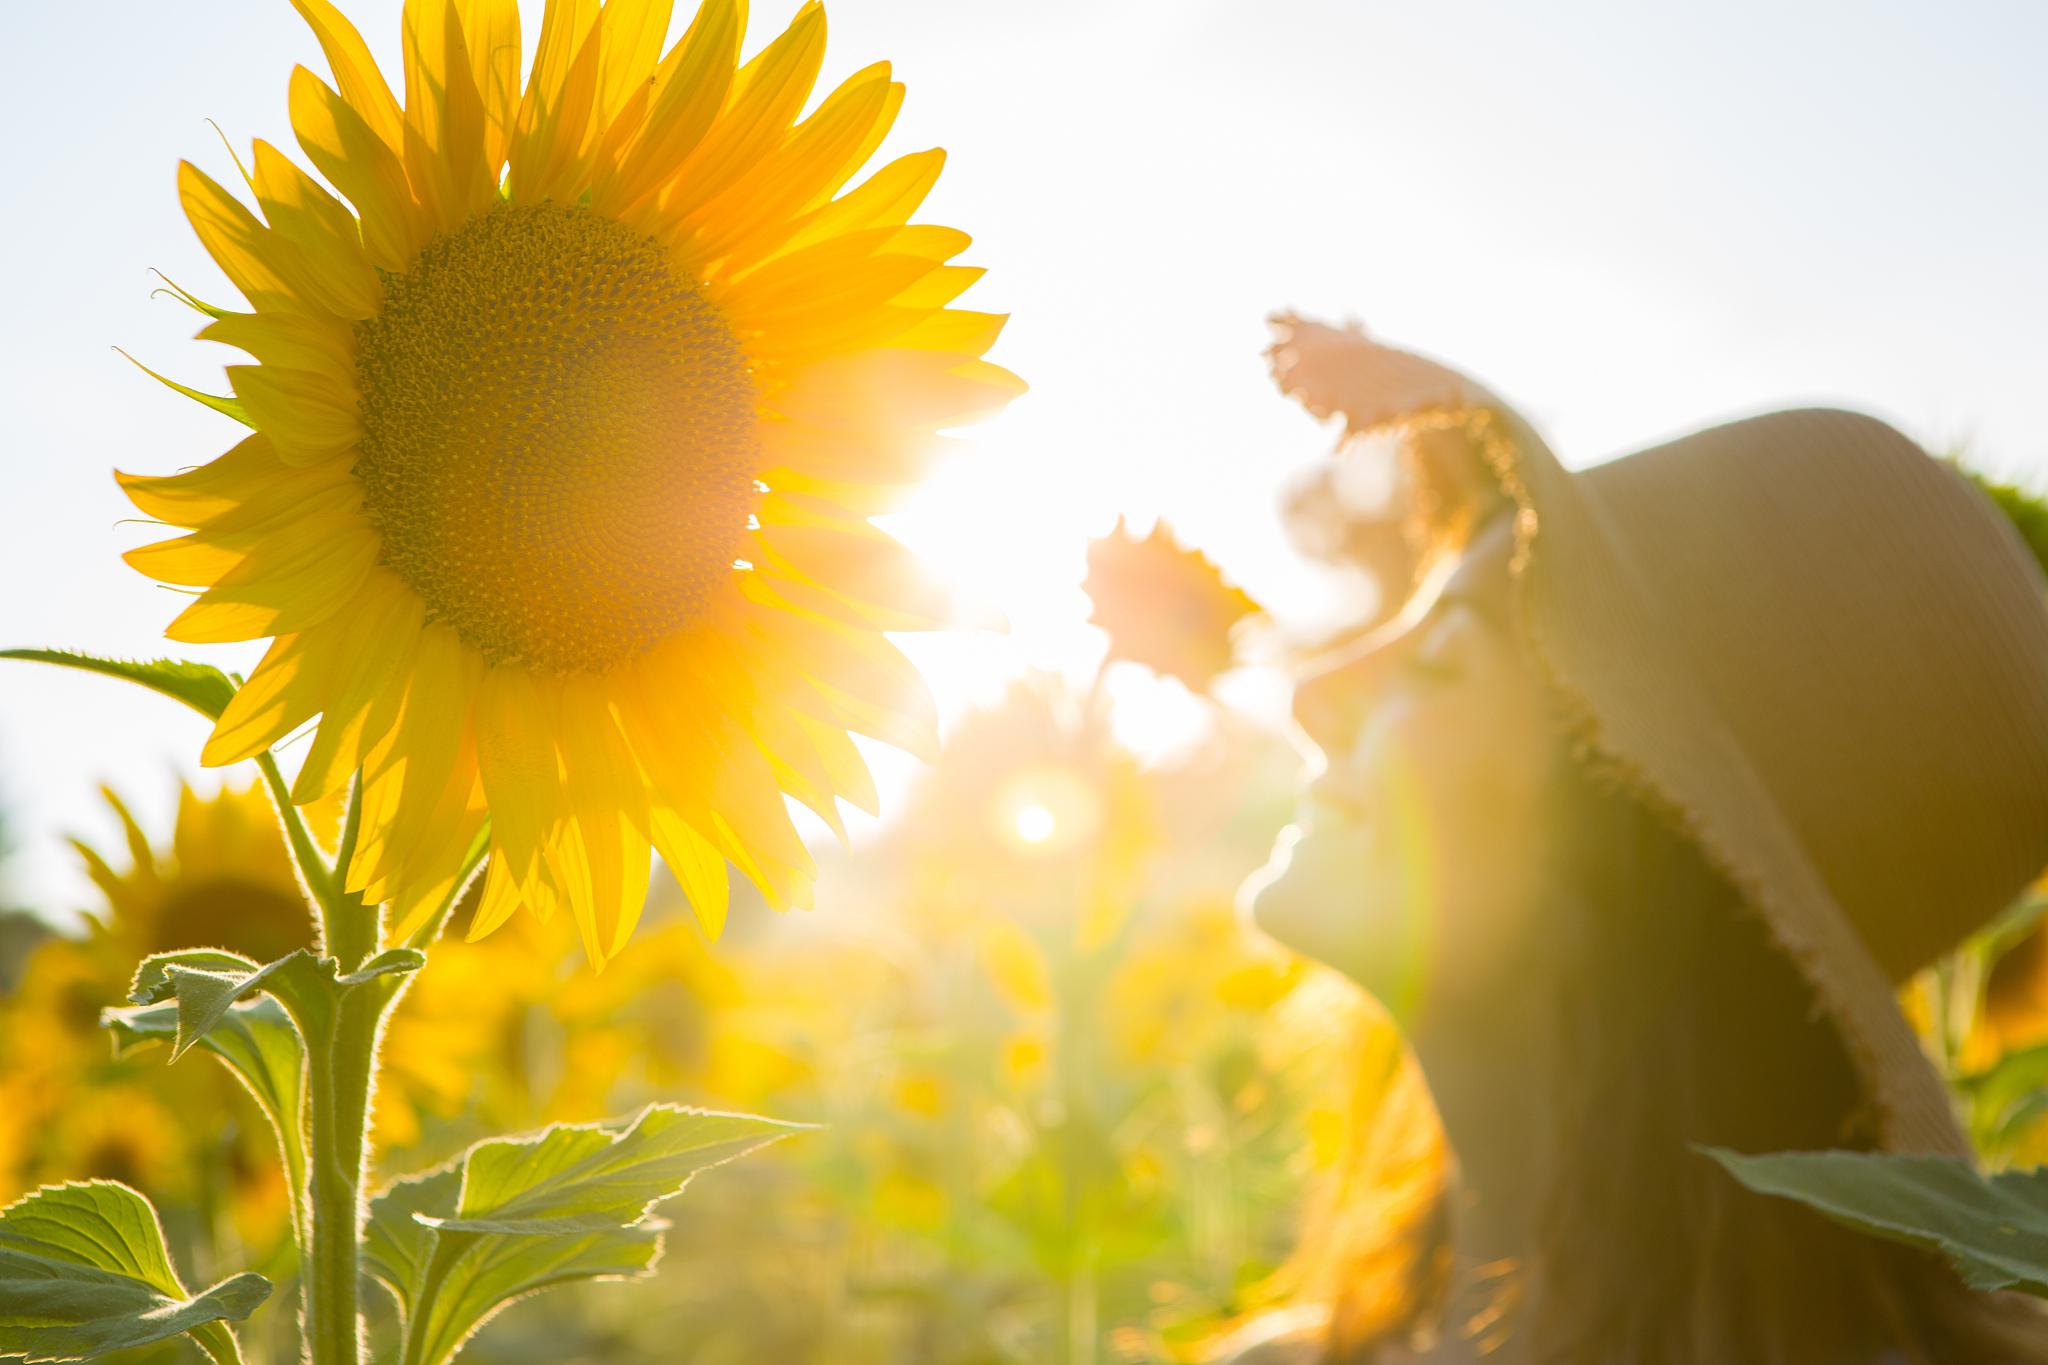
pixel 898 389
pixel 276 594
pixel 698 867
pixel 445 123
pixel 363 167
pixel 196 496
pixel 633 34
pixel 853 571
pixel 282 694
pixel 294 341
pixel 885 199
pixel 821 155
pixel 491 33
pixel 338 276
pixel 515 724
pixel 355 71
pixel 378 639
pixel 499 900
pixel 308 417
pixel 768 94
pixel 689 89
pixel 557 118
pixel 240 245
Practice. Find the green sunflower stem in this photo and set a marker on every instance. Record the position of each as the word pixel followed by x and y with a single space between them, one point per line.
pixel 341 1073
pixel 340 1032
pixel 349 928
pixel 306 857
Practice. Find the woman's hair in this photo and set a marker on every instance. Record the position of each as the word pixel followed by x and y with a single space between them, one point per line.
pixel 1685 1028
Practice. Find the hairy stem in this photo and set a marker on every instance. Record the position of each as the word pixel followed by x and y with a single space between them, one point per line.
pixel 306 857
pixel 340 1033
pixel 349 929
pixel 341 1075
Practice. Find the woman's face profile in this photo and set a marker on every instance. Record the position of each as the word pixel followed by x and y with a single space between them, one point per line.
pixel 1410 864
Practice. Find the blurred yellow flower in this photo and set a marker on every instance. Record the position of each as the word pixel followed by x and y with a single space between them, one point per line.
pixel 225 882
pixel 1164 605
pixel 2016 993
pixel 569 419
pixel 1032 811
pixel 71 1110
pixel 1187 977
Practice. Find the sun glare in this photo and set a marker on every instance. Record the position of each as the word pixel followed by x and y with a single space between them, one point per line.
pixel 1035 824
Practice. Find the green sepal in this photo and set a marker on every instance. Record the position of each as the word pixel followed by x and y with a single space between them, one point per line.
pixel 227 407
pixel 84 1271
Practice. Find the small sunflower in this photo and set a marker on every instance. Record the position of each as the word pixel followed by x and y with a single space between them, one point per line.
pixel 71 1109
pixel 1033 810
pixel 568 419
pixel 224 882
pixel 1164 605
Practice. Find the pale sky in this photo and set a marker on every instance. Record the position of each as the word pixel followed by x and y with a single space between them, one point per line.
pixel 1629 219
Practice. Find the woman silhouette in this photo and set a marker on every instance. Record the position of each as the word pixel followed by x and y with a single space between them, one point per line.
pixel 1636 812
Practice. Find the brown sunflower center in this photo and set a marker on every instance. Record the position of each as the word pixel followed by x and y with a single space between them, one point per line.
pixel 558 437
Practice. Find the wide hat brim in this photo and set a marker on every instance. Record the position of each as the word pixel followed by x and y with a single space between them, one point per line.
pixel 1822 655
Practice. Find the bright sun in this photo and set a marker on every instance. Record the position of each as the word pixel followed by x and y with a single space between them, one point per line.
pixel 1035 824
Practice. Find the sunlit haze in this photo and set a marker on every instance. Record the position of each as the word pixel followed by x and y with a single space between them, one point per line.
pixel 1629 220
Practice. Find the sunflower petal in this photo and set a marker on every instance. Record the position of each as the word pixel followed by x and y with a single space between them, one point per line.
pixel 516 752
pixel 698 866
pixel 290 340
pixel 308 417
pixel 689 89
pixel 446 126
pixel 280 590
pixel 335 271
pixel 491 33
pixel 768 93
pixel 364 167
pixel 355 71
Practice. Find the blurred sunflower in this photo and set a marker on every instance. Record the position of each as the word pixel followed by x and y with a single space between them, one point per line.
pixel 568 424
pixel 71 1109
pixel 504 1033
pixel 1164 605
pixel 1189 976
pixel 2015 1007
pixel 1032 810
pixel 225 882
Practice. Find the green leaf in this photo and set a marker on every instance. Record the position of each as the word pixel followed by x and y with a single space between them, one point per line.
pixel 573 1178
pixel 256 1040
pixel 203 996
pixel 514 1216
pixel 1995 1230
pixel 84 1271
pixel 205 983
pixel 396 1245
pixel 153 984
pixel 202 687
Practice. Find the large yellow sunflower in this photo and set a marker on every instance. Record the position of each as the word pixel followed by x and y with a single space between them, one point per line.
pixel 568 419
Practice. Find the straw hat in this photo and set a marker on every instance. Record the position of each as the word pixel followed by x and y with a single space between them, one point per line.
pixel 1819 651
